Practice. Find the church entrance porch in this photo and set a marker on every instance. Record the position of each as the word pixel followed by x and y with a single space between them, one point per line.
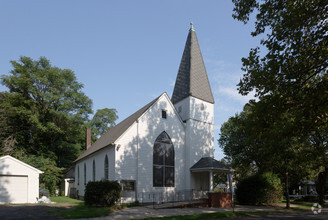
pixel 202 177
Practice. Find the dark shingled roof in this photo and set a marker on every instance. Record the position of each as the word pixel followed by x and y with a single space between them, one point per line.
pixel 192 78
pixel 209 163
pixel 114 133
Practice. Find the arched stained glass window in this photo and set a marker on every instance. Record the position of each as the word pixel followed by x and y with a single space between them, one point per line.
pixel 106 168
pixel 163 161
pixel 85 174
pixel 93 171
pixel 78 175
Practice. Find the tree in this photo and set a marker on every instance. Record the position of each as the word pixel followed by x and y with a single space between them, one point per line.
pixel 51 175
pixel 255 141
pixel 292 75
pixel 234 137
pixel 44 113
pixel 103 120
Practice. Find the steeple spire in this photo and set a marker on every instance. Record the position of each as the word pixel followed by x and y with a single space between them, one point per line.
pixel 192 78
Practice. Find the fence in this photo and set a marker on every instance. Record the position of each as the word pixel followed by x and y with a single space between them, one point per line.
pixel 165 197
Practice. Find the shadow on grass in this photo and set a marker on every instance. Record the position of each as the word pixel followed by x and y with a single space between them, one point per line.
pixel 72 208
pixel 81 211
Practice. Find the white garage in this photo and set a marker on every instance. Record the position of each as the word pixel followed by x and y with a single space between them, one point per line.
pixel 19 182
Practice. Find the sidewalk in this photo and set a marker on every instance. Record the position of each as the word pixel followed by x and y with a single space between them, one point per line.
pixel 141 212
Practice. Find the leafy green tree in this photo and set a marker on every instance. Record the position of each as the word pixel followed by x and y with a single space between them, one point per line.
pixel 255 141
pixel 291 76
pixel 234 137
pixel 51 175
pixel 45 109
pixel 43 117
pixel 103 120
pixel 319 148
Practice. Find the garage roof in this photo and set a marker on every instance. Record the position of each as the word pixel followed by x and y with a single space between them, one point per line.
pixel 18 161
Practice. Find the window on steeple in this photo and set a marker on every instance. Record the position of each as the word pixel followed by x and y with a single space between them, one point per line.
pixel 202 106
pixel 163 161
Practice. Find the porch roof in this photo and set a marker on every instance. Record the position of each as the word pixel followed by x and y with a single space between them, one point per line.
pixel 210 164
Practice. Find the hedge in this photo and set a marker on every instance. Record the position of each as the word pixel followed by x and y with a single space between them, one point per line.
pixel 102 193
pixel 259 189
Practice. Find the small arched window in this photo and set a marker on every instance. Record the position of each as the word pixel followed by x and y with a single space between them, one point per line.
pixel 93 171
pixel 106 168
pixel 85 174
pixel 163 161
pixel 78 175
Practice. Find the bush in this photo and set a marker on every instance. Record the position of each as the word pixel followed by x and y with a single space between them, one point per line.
pixel 102 193
pixel 307 199
pixel 259 189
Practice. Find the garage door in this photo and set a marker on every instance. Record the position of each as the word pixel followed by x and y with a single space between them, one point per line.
pixel 13 189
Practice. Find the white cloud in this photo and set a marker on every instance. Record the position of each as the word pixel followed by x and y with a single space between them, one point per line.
pixel 232 93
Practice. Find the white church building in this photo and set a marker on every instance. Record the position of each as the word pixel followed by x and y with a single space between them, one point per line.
pixel 165 148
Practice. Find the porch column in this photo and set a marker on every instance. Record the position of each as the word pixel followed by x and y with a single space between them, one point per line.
pixel 230 186
pixel 211 181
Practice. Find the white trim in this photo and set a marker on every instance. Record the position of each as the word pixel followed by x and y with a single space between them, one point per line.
pixel 169 101
pixel 175 110
pixel 21 162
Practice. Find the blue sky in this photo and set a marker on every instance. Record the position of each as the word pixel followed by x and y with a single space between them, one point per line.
pixel 126 53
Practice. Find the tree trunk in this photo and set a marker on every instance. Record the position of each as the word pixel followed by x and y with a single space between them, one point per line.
pixel 287 191
pixel 321 185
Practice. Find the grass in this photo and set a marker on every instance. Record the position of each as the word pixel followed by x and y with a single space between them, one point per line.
pixel 212 215
pixel 82 211
pixel 76 209
pixel 300 205
pixel 64 199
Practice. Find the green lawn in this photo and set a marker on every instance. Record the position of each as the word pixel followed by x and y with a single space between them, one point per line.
pixel 73 208
pixel 64 199
pixel 300 205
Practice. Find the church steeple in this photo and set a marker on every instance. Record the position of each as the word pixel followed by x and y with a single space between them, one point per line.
pixel 192 78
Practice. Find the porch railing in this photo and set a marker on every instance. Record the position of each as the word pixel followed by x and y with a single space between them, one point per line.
pixel 164 197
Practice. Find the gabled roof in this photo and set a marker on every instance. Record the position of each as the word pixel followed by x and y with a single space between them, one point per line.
pixel 21 162
pixel 114 133
pixel 192 78
pixel 209 163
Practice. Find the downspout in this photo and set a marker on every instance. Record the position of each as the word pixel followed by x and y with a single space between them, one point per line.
pixel 136 184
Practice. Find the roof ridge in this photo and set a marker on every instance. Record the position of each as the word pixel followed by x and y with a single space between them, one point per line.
pixel 115 132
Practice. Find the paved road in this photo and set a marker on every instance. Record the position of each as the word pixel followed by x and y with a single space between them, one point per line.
pixel 144 212
pixel 20 212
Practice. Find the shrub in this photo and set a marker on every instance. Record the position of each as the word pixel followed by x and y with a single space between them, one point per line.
pixel 102 193
pixel 307 199
pixel 259 189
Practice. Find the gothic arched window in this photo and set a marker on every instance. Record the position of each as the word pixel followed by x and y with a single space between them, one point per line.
pixel 106 168
pixel 78 175
pixel 163 161
pixel 85 174
pixel 93 171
